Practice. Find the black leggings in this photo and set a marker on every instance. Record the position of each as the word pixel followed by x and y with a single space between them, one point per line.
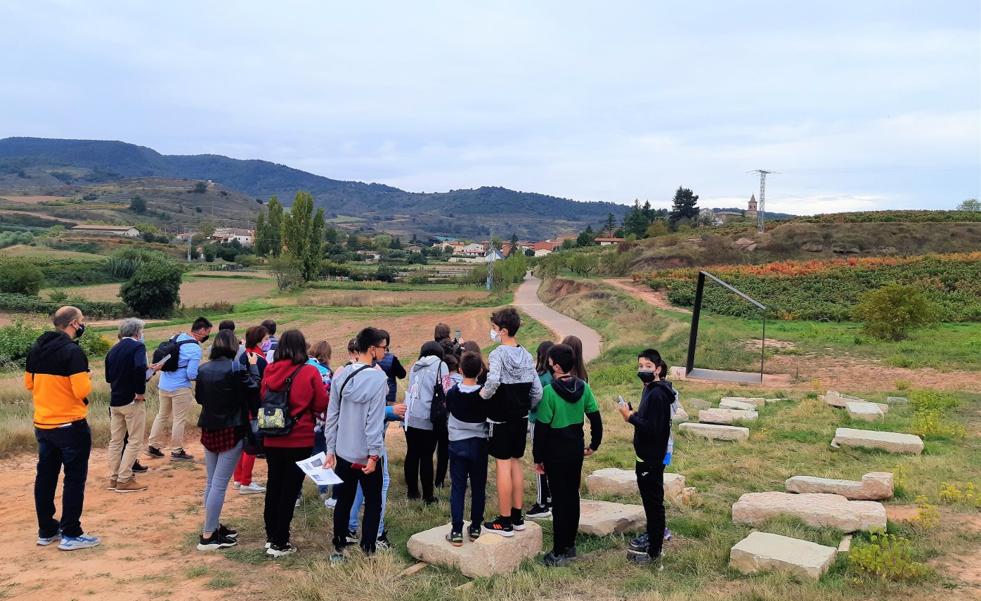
pixel 283 485
pixel 442 453
pixel 420 445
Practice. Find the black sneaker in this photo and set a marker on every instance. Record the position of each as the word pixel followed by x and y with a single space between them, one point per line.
pixel 455 538
pixel 180 455
pixel 640 543
pixel 227 532
pixel 431 501
pixel 473 531
pixel 517 520
pixel 139 469
pixel 501 526
pixel 352 537
pixel 281 551
pixel 215 541
pixel 382 541
pixel 539 512
pixel 556 560
pixel 154 452
pixel 643 558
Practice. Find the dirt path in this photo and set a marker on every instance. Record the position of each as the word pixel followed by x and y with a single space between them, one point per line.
pixel 644 293
pixel 526 298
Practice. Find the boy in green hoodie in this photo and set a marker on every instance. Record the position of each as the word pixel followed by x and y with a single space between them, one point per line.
pixel 559 447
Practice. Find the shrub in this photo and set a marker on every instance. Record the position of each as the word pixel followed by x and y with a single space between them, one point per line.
pixel 153 291
pixel 892 311
pixel 16 341
pixel 20 277
pixel 124 263
pixel 287 273
pixel 886 557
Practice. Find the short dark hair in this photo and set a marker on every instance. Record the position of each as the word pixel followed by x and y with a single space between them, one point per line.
pixel 470 346
pixel 388 337
pixel 201 323
pixel 431 348
pixel 352 345
pixel 368 338
pixel 254 335
pixel 270 326
pixel 225 345
pixel 226 324
pixel 292 346
pixel 442 331
pixel 564 356
pixel 452 362
pixel 471 364
pixel 321 351
pixel 541 357
pixel 652 355
pixel 507 319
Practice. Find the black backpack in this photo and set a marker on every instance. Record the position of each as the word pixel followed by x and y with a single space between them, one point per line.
pixel 173 348
pixel 274 409
pixel 438 413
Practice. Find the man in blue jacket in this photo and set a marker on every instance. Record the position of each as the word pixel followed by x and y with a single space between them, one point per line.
pixel 126 370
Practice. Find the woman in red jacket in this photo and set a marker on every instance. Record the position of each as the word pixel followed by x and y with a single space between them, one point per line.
pixel 307 397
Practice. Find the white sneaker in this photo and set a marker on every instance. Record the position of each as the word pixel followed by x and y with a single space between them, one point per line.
pixel 251 489
pixel 44 541
pixel 236 484
pixel 73 543
pixel 330 503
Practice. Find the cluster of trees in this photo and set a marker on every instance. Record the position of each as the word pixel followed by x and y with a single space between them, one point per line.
pixel 644 221
pixel 294 239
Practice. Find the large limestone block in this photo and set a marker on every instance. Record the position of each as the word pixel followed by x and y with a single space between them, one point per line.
pixel 761 551
pixel 728 403
pixel 680 415
pixel 715 432
pixel 875 486
pixel 893 442
pixel 489 555
pixel 725 416
pixel 868 412
pixel 601 518
pixel 897 400
pixel 756 402
pixel 836 399
pixel 814 509
pixel 698 404
pixel 615 481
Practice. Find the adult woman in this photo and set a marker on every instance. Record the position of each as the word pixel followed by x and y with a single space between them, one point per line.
pixel 290 372
pixel 227 394
pixel 579 370
pixel 255 338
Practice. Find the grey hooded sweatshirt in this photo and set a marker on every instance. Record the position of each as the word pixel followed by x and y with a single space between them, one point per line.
pixel 512 386
pixel 355 424
pixel 422 382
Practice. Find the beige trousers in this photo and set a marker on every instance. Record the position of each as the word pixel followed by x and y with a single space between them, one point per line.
pixel 175 404
pixel 131 420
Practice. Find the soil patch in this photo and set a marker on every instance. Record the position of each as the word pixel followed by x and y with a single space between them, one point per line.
pixel 193 293
pixel 856 375
pixel 656 298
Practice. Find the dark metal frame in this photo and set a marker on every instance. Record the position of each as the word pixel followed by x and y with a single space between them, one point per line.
pixel 697 309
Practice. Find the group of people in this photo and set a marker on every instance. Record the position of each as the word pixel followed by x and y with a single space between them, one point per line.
pixel 279 398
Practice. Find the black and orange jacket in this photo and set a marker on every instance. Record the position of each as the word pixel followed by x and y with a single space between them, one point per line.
pixel 57 374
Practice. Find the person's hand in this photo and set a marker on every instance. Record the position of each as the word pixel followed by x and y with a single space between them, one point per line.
pixel 540 469
pixel 330 461
pixel 587 452
pixel 624 411
pixel 399 409
pixel 156 366
pixel 253 358
pixel 139 397
pixel 370 467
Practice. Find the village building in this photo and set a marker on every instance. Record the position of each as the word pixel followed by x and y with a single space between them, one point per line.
pixel 609 241
pixel 230 234
pixel 126 231
pixel 751 208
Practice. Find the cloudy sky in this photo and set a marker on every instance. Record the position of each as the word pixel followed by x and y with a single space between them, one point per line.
pixel 857 104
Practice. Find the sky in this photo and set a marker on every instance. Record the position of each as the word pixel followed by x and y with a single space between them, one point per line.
pixel 856 105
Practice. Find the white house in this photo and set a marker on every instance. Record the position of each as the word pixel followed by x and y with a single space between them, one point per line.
pixel 229 234
pixel 608 241
pixel 127 231
pixel 473 250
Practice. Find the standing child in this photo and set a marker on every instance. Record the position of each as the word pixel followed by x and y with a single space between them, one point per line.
pixel 420 434
pixel 543 502
pixel 652 429
pixel 559 447
pixel 580 369
pixel 514 389
pixel 467 425
pixel 320 354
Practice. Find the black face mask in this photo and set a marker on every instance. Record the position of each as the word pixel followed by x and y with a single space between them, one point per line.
pixel 646 376
pixel 79 330
pixel 205 339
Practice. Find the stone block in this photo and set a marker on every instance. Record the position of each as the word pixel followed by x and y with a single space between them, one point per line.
pixel 868 412
pixel 893 442
pixel 600 518
pixel 875 486
pixel 761 551
pixel 725 416
pixel 489 555
pixel 756 402
pixel 615 481
pixel 715 432
pixel 814 509
pixel 728 403
pixel 897 400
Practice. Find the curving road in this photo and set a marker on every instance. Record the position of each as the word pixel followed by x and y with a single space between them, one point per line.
pixel 526 298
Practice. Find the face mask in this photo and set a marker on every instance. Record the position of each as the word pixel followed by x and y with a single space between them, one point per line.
pixel 494 335
pixel 79 330
pixel 205 339
pixel 265 346
pixel 646 376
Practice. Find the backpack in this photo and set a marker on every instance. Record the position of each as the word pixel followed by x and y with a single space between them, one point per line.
pixel 173 348
pixel 438 413
pixel 274 409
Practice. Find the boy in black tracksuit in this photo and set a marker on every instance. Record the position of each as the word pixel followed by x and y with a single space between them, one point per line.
pixel 652 428
pixel 559 447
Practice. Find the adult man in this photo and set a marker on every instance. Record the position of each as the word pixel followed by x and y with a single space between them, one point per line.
pixel 57 374
pixel 176 399
pixel 126 371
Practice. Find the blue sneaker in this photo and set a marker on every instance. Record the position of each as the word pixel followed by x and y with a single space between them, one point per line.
pixel 44 541
pixel 73 543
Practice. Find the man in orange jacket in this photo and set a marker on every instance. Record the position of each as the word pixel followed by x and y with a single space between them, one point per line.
pixel 57 374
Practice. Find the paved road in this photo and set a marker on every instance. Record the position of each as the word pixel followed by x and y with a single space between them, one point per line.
pixel 526 298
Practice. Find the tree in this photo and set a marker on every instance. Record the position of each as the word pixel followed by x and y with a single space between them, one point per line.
pixel 20 277
pixel 268 230
pixel 529 252
pixel 684 206
pixel 893 310
pixel 303 235
pixel 582 264
pixel 658 228
pixel 154 290
pixel 286 273
pixel 514 244
pixel 611 224
pixel 635 221
pixel 200 188
pixel 586 237
pixel 137 204
pixel 396 243
pixel 971 204
pixel 496 242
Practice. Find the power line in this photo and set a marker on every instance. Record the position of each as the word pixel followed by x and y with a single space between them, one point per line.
pixel 761 205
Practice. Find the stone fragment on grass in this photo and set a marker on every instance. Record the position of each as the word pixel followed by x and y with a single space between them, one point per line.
pixel 715 432
pixel 868 412
pixel 762 551
pixel 893 442
pixel 600 518
pixel 489 555
pixel 814 509
pixel 728 403
pixel 845 545
pixel 897 400
pixel 698 404
pixel 756 402
pixel 616 481
pixel 680 416
pixel 874 486
pixel 725 416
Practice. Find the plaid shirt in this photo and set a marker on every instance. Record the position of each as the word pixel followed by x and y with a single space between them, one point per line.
pixel 218 441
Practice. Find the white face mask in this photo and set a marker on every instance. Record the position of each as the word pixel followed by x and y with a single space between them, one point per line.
pixel 494 335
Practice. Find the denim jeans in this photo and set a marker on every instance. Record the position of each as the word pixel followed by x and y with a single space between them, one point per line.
pixel 56 447
pixel 468 459
pixel 359 499
pixel 219 467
